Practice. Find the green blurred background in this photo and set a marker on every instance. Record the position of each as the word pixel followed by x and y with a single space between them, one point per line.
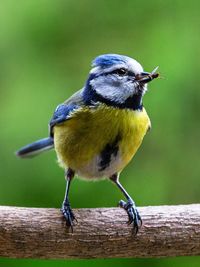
pixel 45 52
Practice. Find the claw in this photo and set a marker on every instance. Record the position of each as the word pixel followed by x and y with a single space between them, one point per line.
pixel 122 204
pixel 133 214
pixel 68 215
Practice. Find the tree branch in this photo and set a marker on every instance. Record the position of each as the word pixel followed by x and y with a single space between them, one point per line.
pixel 99 233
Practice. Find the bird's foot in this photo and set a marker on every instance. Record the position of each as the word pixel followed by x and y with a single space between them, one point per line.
pixel 133 214
pixel 68 215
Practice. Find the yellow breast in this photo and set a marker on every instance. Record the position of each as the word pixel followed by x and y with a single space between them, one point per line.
pixel 80 140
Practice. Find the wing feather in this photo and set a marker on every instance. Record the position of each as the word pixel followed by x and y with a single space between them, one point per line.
pixel 65 111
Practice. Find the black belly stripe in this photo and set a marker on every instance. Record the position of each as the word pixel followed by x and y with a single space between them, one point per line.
pixel 111 149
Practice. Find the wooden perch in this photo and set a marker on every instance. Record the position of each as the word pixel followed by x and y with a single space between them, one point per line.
pixel 99 233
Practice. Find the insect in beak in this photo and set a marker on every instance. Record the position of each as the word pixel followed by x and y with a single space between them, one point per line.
pixel 145 77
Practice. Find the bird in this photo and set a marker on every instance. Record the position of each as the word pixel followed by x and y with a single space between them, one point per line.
pixel 97 131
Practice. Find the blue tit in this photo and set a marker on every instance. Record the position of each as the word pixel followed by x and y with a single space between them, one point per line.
pixel 97 131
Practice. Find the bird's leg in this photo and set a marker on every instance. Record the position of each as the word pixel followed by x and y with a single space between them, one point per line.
pixel 66 209
pixel 129 206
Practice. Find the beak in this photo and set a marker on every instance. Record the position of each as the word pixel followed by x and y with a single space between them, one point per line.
pixel 145 77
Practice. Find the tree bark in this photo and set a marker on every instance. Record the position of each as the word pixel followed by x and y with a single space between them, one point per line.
pixel 99 233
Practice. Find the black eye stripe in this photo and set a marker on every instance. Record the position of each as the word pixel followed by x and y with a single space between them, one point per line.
pixel 130 73
pixel 121 72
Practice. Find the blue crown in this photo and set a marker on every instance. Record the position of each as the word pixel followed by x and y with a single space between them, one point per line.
pixel 108 60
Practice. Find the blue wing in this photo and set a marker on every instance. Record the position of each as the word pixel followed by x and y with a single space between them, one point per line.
pixel 62 113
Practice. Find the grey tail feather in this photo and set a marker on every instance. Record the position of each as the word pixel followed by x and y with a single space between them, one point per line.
pixel 35 148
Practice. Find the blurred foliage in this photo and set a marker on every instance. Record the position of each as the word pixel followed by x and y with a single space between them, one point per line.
pixel 45 52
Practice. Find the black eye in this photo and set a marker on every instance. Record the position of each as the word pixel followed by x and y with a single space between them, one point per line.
pixel 120 72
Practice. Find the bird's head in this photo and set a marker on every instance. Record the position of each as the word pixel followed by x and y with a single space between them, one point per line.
pixel 117 80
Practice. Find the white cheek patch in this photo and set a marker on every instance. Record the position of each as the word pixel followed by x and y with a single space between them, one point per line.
pixel 116 91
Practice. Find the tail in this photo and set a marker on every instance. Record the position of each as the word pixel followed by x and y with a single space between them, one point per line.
pixel 35 148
